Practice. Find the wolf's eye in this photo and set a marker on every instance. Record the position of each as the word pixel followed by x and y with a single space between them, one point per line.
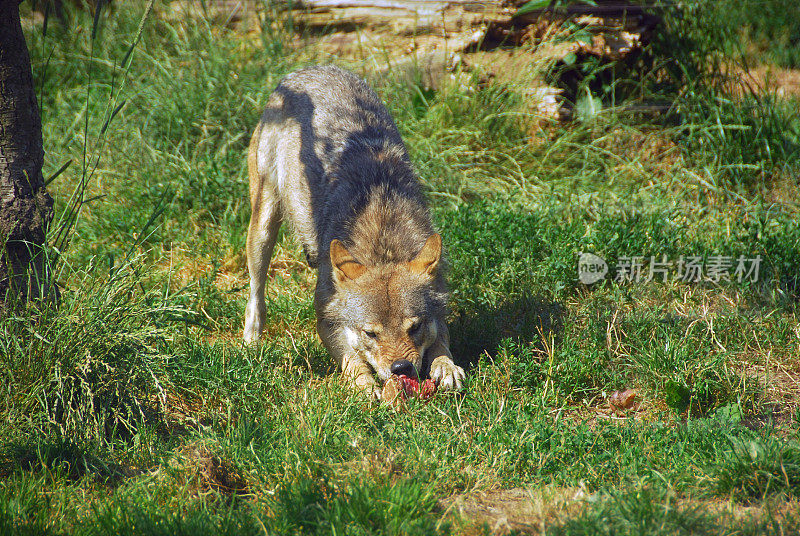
pixel 415 328
pixel 371 334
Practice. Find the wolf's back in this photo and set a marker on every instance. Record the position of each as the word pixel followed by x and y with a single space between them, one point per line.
pixel 339 108
pixel 356 172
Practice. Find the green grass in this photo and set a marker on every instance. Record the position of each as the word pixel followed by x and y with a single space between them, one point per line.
pixel 133 407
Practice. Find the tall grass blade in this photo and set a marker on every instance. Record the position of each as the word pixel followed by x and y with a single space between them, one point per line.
pixel 111 117
pixel 139 30
pixel 58 172
pixel 98 8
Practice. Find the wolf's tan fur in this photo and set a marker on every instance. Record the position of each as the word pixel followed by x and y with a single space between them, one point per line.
pixel 327 157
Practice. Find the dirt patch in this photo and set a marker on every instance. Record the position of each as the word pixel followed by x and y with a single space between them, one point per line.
pixel 779 512
pixel 517 509
pixel 783 82
pixel 528 511
pixel 783 188
pixel 779 377
pixel 203 471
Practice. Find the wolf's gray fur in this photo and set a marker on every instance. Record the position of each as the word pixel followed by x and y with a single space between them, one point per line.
pixel 327 157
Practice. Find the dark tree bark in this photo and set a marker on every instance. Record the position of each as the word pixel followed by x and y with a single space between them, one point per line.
pixel 25 207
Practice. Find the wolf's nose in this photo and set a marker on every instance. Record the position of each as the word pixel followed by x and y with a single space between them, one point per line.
pixel 404 367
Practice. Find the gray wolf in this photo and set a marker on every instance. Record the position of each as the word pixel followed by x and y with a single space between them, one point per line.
pixel 327 157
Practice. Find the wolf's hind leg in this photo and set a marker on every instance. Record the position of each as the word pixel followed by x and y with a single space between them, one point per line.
pixel 261 236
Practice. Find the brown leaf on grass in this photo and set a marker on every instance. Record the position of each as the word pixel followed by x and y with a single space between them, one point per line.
pixel 622 400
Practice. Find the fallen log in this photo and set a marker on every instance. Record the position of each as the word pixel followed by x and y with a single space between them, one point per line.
pixel 433 39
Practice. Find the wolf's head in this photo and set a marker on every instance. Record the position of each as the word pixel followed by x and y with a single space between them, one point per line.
pixel 390 312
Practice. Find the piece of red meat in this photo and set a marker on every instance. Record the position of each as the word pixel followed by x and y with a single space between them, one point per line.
pixel 412 387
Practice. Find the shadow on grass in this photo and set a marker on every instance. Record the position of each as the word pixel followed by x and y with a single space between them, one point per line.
pixel 526 319
pixel 63 456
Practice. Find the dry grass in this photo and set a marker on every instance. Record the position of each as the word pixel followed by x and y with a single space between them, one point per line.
pixel 527 510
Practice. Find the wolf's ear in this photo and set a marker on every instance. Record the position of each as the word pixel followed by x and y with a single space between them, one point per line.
pixel 344 265
pixel 427 260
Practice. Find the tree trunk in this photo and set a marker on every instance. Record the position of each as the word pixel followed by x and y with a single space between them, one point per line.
pixel 25 207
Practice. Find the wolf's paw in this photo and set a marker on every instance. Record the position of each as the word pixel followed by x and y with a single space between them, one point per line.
pixel 447 375
pixel 251 336
pixel 366 383
pixel 253 323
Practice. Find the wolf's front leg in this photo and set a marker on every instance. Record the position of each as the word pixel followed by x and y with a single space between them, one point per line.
pixel 265 220
pixel 360 375
pixel 447 375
